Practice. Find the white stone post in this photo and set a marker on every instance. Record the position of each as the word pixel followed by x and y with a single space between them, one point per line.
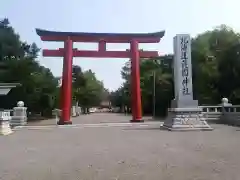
pixel 57 114
pixel 184 114
pixel 19 117
pixel 225 102
pixel 74 111
pixel 5 128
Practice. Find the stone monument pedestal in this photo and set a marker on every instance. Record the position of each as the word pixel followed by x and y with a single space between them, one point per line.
pixel 185 119
pixel 5 128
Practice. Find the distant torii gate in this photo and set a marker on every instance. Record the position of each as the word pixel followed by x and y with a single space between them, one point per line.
pixel 68 52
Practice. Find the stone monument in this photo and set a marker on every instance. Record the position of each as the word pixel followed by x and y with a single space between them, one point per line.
pixel 184 114
pixel 19 117
pixel 5 117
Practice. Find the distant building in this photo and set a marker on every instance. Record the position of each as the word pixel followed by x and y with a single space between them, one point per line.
pixel 105 104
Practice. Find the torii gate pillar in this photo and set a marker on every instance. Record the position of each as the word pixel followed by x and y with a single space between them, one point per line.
pixel 135 83
pixel 66 91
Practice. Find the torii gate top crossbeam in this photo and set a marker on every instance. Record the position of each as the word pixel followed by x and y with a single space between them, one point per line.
pixel 98 37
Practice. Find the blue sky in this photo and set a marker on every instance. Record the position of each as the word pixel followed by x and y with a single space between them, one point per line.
pixel 173 16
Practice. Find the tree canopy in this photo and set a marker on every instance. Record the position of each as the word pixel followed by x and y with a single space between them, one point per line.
pixel 216 73
pixel 215 63
pixel 88 91
pixel 39 88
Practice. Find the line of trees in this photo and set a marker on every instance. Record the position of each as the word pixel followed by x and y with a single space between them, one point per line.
pixel 216 73
pixel 215 62
pixel 39 89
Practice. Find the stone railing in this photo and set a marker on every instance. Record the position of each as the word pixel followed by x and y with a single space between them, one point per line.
pixel 9 110
pixel 18 116
pixel 231 115
pixel 212 112
pixel 223 114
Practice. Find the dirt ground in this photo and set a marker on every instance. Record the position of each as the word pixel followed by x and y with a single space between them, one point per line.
pixel 115 152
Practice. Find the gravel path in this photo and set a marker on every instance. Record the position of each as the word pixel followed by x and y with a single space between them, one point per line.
pixel 139 152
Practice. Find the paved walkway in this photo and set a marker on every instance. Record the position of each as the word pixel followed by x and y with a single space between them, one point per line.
pixel 119 152
pixel 94 118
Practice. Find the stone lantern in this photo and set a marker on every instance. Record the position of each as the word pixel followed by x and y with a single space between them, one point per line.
pixel 19 117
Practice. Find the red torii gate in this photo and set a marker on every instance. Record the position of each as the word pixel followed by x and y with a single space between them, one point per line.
pixel 68 52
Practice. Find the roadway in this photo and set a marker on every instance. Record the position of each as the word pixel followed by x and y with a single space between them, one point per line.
pixel 119 151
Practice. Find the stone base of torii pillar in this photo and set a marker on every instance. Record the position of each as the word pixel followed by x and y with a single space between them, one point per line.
pixel 184 114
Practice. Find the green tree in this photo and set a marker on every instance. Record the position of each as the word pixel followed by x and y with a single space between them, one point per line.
pixel 87 90
pixel 38 85
pixel 210 54
pixel 161 68
pixel 215 66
